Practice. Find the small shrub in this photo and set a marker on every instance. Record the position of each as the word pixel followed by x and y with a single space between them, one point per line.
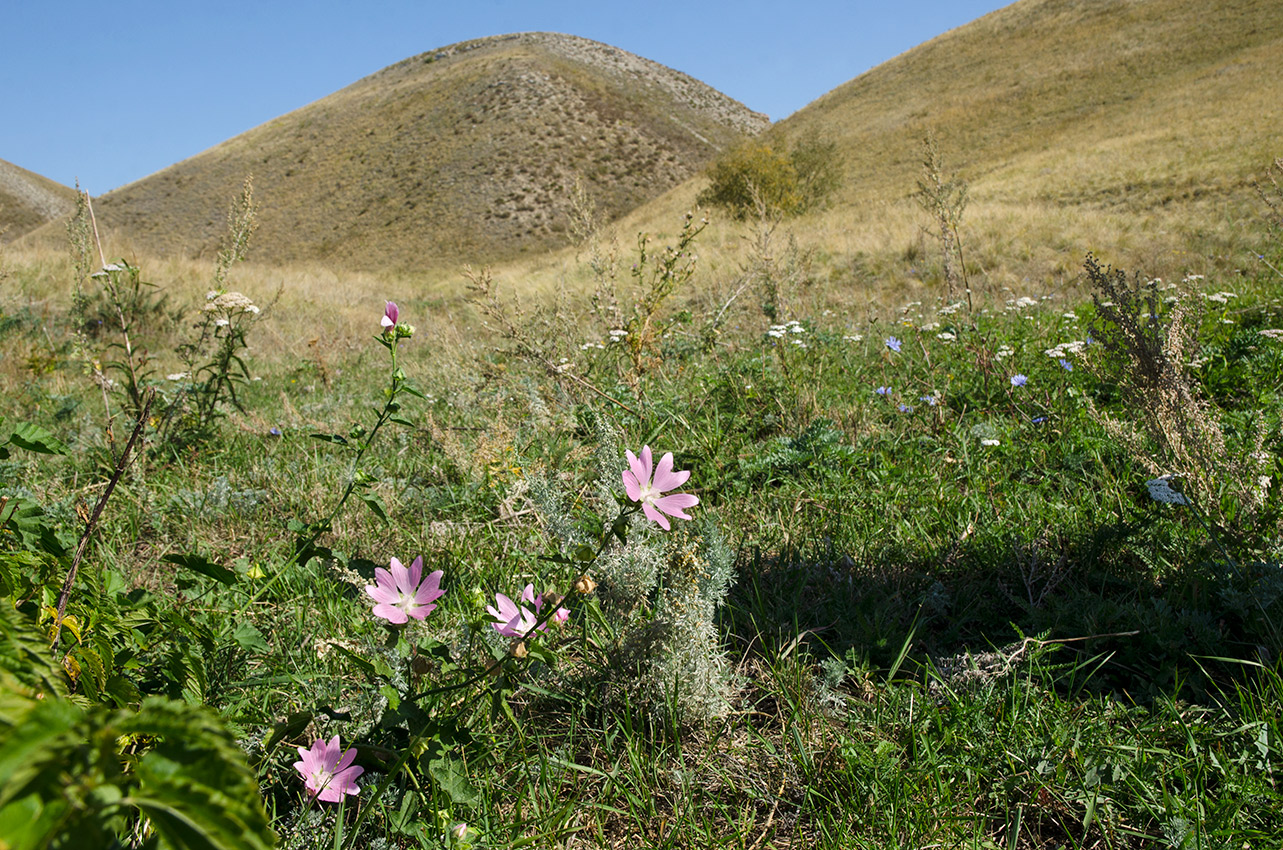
pixel 757 179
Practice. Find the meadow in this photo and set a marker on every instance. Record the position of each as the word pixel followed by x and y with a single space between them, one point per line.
pixel 995 568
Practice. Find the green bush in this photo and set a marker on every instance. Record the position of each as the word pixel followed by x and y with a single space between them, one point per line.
pixel 756 178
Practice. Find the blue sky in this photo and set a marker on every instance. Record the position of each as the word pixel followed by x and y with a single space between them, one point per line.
pixel 109 92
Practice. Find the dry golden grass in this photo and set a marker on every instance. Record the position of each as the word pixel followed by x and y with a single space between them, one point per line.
pixel 1130 128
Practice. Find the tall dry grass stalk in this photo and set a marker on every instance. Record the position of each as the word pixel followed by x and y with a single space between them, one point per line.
pixel 1144 342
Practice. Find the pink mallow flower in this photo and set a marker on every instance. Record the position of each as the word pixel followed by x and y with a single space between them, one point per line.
pixel 515 620
pixel 327 774
pixel 642 487
pixel 390 314
pixel 400 594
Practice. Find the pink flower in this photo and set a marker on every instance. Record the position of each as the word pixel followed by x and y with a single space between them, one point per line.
pixel 327 774
pixel 641 487
pixel 390 314
pixel 401 595
pixel 515 620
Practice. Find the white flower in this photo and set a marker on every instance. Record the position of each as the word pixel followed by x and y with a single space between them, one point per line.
pixel 853 337
pixel 1003 351
pixel 1160 490
pixel 929 326
pixel 178 376
pixel 946 336
pixel 990 442
pixel 1072 316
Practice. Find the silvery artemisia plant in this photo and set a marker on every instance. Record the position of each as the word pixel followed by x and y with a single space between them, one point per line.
pixel 658 591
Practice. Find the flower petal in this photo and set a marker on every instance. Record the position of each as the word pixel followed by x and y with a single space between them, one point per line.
pixel 631 485
pixel 392 613
pixel 672 505
pixel 401 576
pixel 665 477
pixel 655 516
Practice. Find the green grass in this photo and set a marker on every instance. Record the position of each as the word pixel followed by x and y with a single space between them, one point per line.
pixel 933 641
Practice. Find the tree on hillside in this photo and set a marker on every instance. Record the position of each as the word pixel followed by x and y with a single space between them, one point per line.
pixel 757 177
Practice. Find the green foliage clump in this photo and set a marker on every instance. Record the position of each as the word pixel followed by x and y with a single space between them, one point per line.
pixel 758 179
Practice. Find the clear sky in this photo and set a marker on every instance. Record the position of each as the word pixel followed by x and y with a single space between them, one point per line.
pixel 109 92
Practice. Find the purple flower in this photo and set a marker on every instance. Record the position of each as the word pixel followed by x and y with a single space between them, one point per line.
pixel 893 344
pixel 400 594
pixel 904 408
pixel 642 487
pixel 274 431
pixel 1018 380
pixel 390 314
pixel 1066 365
pixel 515 620
pixel 327 773
pixel 883 391
pixel 1038 420
pixel 931 400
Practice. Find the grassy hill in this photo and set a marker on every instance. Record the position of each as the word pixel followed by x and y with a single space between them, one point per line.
pixel 463 154
pixel 1132 127
pixel 28 200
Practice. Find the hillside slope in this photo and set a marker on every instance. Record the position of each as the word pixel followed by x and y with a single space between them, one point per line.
pixel 1134 128
pixel 28 200
pixel 1075 100
pixel 464 154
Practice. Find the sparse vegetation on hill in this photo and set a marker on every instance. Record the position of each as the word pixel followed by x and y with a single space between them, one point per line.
pixel 464 154
pixel 28 200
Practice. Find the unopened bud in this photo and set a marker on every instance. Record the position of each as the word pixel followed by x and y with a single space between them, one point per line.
pixel 459 831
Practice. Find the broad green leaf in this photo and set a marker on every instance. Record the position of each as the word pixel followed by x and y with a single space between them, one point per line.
pixel 33 438
pixel 204 566
pixel 250 638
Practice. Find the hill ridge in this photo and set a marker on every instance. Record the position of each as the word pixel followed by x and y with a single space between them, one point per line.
pixel 467 153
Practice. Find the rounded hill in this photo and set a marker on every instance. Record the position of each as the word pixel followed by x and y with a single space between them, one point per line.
pixel 28 200
pixel 469 153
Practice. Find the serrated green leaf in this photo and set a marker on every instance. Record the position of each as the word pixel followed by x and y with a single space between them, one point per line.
pixel 33 438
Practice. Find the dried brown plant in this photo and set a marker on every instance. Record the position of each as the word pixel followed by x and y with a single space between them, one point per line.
pixel 1144 343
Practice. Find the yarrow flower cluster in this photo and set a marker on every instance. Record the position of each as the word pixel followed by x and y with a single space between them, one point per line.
pixel 228 303
pixel 328 771
pixel 646 484
pixel 400 594
pixel 518 621
pixel 789 327
pixel 1062 351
